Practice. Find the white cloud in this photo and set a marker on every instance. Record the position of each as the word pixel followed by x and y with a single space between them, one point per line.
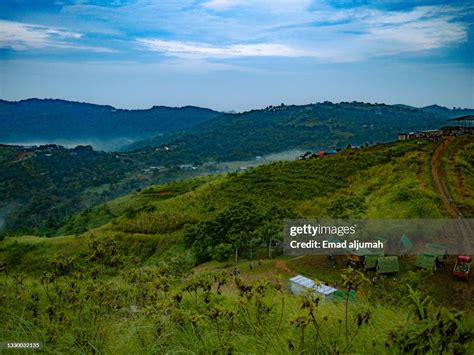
pixel 202 50
pixel 21 36
pixel 221 4
pixel 422 28
pixel 260 6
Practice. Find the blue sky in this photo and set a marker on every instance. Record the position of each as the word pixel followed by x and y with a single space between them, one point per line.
pixel 237 54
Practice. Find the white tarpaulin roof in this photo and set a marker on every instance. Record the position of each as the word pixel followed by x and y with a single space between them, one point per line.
pixel 310 284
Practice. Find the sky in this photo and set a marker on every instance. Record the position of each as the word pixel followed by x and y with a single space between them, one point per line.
pixel 238 54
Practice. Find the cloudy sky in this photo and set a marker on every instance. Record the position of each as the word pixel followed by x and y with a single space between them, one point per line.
pixel 238 54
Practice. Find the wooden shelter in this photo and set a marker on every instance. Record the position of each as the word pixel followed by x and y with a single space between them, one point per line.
pixel 388 265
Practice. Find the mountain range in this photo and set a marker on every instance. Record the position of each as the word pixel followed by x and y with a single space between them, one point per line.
pixel 59 121
pixel 41 121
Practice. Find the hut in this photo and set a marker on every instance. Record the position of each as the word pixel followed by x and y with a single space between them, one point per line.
pixel 371 259
pixel 426 261
pixel 387 265
pixel 406 136
pixel 432 257
pixel 356 258
pixel 405 245
pixel 431 133
pixel 301 285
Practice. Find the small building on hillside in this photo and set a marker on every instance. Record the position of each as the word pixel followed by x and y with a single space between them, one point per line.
pixel 430 133
pixel 463 124
pixel 406 136
pixel 301 285
pixel 371 259
pixel 387 265
pixel 432 257
pixel 426 261
pixel 356 258
pixel 405 245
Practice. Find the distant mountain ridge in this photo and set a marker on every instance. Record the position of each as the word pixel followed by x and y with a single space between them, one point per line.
pixel 444 111
pixel 52 119
pixel 201 133
pixel 279 128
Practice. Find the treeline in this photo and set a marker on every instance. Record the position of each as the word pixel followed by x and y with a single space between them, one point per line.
pixel 239 230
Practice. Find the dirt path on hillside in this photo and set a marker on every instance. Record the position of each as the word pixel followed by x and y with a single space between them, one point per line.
pixel 439 180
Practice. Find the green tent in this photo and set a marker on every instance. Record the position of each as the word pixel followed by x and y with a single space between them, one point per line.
pixel 438 250
pixel 342 295
pixel 406 243
pixel 388 265
pixel 426 261
pixel 371 260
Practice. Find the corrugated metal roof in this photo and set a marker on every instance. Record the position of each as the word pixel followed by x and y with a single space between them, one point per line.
pixel 310 284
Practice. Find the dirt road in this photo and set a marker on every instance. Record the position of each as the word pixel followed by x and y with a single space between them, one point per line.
pixel 440 184
pixel 439 180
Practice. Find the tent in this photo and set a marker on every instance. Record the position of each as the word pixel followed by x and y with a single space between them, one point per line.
pixel 405 245
pixel 371 259
pixel 388 265
pixel 301 285
pixel 342 295
pixel 426 261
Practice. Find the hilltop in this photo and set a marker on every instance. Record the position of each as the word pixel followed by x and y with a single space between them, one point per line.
pixel 277 128
pixel 52 121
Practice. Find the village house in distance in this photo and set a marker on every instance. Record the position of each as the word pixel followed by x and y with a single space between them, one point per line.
pixel 456 127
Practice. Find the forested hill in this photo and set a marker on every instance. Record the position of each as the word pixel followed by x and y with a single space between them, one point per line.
pixel 318 126
pixel 48 120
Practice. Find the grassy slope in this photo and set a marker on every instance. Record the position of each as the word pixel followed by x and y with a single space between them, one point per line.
pixel 386 181
pixel 458 165
pixel 144 229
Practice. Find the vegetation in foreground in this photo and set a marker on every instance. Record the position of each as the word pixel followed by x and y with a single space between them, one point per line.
pixel 104 298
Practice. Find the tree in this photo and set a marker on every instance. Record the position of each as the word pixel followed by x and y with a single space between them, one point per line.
pixel 222 252
pixel 269 232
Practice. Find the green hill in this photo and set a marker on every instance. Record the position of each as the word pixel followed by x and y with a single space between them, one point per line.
pixel 390 180
pixel 60 121
pixel 274 129
pixel 135 281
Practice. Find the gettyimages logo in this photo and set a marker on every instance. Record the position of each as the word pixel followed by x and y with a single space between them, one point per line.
pixel 314 230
